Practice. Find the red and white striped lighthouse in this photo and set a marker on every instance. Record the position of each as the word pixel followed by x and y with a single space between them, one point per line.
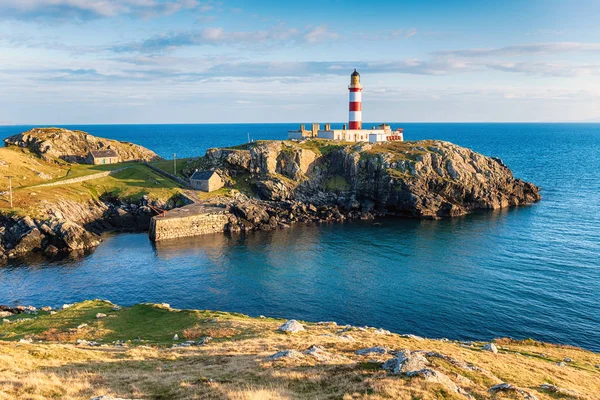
pixel 355 119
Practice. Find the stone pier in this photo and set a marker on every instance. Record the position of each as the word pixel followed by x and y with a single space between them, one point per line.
pixel 192 220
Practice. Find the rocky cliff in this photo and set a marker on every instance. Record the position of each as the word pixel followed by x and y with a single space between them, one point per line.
pixel 426 179
pixel 73 146
pixel 69 226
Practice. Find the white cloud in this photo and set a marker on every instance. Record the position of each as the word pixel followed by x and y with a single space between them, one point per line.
pixel 320 34
pixel 219 36
pixel 89 9
pixel 526 49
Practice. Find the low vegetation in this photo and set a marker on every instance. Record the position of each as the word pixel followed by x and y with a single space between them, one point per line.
pixel 131 353
pixel 30 172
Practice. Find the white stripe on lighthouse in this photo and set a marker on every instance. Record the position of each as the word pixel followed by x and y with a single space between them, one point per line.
pixel 355 116
pixel 355 96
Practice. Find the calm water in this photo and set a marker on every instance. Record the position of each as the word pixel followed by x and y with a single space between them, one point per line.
pixel 528 272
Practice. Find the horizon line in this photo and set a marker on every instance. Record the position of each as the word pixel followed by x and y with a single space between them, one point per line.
pixel 292 122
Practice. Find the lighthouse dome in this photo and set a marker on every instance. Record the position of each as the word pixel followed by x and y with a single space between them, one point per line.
pixel 355 73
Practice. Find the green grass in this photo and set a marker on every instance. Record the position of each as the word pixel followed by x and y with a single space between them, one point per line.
pixel 150 323
pixel 62 320
pixel 322 146
pixel 131 184
pixel 78 170
pixel 167 165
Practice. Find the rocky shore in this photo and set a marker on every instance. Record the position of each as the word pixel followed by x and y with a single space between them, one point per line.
pixel 316 181
pixel 97 348
pixel 273 185
pixel 70 226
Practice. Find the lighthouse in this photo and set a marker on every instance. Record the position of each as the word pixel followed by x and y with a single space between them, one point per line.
pixel 354 132
pixel 355 115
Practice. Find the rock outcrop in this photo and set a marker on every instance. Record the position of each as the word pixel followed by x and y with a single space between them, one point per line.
pixel 69 226
pixel 73 146
pixel 426 179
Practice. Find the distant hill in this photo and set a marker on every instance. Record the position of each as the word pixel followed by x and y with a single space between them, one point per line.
pixel 73 146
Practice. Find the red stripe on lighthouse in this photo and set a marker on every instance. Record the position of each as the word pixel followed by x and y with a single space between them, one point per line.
pixel 355 106
pixel 355 125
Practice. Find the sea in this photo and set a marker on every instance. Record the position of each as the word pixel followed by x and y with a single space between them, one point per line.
pixel 527 272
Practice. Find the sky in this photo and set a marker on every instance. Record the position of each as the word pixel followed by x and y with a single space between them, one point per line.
pixel 195 61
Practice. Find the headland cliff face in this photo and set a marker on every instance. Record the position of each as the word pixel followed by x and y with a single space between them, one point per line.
pixel 62 219
pixel 426 179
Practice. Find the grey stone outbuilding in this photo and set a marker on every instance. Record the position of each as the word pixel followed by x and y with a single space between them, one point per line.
pixel 99 157
pixel 207 181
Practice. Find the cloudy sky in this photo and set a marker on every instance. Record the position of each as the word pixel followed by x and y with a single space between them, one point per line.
pixel 186 61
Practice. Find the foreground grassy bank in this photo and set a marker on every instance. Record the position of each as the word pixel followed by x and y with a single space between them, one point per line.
pixel 96 348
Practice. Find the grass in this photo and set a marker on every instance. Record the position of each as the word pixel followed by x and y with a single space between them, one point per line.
pixel 232 366
pixel 23 166
pixel 167 165
pixel 131 184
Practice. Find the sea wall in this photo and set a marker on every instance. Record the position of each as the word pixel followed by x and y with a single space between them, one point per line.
pixel 83 178
pixel 194 224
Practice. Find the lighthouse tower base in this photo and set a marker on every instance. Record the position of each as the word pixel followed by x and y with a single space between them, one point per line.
pixel 383 133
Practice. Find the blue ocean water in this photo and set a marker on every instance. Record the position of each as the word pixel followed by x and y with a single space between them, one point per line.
pixel 526 272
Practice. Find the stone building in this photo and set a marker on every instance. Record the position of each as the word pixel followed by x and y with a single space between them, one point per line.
pixel 99 157
pixel 207 181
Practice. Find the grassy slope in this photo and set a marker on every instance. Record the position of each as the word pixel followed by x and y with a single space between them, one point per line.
pixel 167 165
pixel 132 183
pixel 232 365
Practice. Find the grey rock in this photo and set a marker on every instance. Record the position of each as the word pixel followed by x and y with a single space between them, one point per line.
pixel 372 350
pixel 491 347
pixel 406 362
pixel 291 326
pixel 285 354
pixel 507 387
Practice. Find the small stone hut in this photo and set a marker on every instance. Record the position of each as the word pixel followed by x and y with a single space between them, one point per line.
pixel 207 181
pixel 99 157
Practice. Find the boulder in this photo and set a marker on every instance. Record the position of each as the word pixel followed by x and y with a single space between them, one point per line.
pixel 406 363
pixel 372 350
pixel 75 237
pixel 291 326
pixel 507 387
pixel 320 354
pixel 31 241
pixel 491 347
pixel 285 354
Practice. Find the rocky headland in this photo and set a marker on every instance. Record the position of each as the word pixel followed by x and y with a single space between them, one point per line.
pixel 73 146
pixel 268 185
pixel 283 182
pixel 52 217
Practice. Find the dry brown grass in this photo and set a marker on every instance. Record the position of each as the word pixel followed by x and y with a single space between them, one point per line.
pixel 233 367
pixel 216 333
